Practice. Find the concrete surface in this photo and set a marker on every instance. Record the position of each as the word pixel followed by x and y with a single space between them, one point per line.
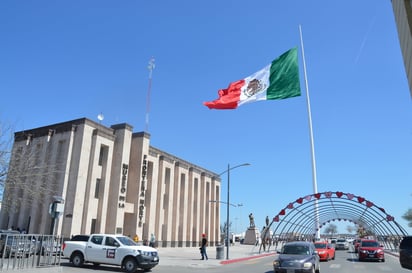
pixel 192 258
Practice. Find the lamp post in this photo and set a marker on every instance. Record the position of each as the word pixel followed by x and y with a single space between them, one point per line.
pixel 228 202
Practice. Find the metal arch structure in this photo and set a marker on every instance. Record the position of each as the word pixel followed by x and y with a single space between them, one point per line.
pixel 299 219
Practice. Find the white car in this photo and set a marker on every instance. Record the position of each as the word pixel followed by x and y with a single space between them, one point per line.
pixel 341 244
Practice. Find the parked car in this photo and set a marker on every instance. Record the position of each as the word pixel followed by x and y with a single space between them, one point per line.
pixel 405 252
pixel 341 244
pixel 370 250
pixel 325 250
pixel 16 245
pixel 297 256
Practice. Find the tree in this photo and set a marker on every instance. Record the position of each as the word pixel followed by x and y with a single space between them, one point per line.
pixel 6 137
pixel 223 230
pixel 350 229
pixel 408 217
pixel 25 176
pixel 331 229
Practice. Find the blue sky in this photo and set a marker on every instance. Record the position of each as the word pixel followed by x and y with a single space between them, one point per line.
pixel 62 60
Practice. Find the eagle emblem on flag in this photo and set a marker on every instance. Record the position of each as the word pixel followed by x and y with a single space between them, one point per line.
pixel 254 86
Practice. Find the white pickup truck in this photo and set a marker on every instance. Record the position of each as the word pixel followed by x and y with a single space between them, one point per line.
pixel 111 249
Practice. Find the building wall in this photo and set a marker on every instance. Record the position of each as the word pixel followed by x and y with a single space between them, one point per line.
pixel 403 16
pixel 112 181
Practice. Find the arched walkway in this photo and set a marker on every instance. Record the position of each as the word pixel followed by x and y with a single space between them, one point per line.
pixel 302 218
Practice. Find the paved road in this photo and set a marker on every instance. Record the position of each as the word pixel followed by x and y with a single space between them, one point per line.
pixel 189 257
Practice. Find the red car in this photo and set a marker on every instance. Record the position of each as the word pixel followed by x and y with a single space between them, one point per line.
pixel 370 250
pixel 325 251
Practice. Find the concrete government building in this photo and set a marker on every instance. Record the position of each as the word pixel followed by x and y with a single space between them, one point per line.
pixel 107 180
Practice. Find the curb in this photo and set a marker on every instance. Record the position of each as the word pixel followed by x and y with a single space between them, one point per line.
pixel 246 258
pixel 394 254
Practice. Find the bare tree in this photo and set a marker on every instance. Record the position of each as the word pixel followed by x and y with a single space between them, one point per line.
pixel 26 178
pixel 331 229
pixel 6 137
pixel 223 231
pixel 408 217
pixel 350 229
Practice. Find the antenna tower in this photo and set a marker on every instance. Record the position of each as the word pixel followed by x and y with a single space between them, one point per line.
pixel 151 66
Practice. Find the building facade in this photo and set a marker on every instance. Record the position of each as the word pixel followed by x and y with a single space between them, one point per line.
pixel 80 177
pixel 403 16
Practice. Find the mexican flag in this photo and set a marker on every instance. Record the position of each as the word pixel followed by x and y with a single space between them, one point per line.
pixel 278 80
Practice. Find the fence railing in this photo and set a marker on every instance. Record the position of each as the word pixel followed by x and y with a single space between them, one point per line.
pixel 22 251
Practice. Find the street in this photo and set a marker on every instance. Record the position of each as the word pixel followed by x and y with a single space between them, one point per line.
pixel 345 262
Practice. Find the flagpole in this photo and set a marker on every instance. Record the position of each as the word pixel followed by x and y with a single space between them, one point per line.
pixel 312 146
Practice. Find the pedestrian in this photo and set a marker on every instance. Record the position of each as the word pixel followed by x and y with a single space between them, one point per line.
pixel 203 247
pixel 152 240
pixel 136 238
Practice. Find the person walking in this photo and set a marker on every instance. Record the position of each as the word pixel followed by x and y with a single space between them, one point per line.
pixel 203 247
pixel 152 240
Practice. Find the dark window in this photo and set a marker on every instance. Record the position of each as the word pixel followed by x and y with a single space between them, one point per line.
pixel 93 227
pixel 97 188
pixel 97 239
pixel 111 242
pixel 103 154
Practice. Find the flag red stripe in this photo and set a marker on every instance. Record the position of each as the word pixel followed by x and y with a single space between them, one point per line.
pixel 228 98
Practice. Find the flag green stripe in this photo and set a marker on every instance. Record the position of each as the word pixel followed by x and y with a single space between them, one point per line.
pixel 284 76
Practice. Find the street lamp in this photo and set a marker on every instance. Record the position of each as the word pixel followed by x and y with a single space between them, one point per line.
pixel 228 202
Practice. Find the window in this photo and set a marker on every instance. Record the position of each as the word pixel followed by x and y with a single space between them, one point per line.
pixel 97 188
pixel 103 154
pixel 97 239
pixel 111 242
pixel 93 227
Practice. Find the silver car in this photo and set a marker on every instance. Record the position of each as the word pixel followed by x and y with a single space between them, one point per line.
pixel 297 256
pixel 341 244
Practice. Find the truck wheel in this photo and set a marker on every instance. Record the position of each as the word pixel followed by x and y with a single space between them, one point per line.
pixel 77 259
pixel 130 265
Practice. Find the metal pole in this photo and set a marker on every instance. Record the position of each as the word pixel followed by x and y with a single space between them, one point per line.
pixel 227 205
pixel 312 145
pixel 228 202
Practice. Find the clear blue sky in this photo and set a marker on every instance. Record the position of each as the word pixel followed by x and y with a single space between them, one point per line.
pixel 62 60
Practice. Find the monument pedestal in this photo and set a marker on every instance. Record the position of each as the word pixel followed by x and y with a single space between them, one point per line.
pixel 251 236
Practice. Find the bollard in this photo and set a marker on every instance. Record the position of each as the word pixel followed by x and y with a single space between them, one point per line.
pixel 219 252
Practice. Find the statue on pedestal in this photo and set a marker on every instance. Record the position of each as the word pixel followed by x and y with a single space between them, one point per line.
pixel 252 233
pixel 251 220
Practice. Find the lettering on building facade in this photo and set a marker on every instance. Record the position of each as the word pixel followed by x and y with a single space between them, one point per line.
pixel 123 187
pixel 142 190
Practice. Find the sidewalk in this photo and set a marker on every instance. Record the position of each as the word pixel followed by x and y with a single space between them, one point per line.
pixel 190 256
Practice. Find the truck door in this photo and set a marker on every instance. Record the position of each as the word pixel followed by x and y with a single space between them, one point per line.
pixel 95 250
pixel 110 246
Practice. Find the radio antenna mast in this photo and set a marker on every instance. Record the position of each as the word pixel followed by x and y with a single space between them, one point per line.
pixel 151 66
